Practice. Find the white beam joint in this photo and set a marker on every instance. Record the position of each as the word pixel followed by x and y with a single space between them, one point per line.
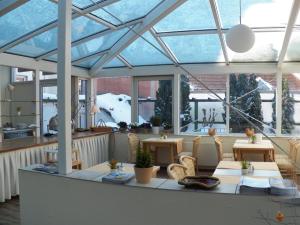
pixel 150 20
pixel 64 87
pixel 123 60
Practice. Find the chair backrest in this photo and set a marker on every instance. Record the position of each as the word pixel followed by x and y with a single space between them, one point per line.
pixel 293 150
pixel 134 143
pixel 196 146
pixel 176 171
pixel 189 163
pixel 219 147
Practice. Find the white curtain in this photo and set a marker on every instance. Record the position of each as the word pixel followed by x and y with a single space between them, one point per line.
pixel 93 150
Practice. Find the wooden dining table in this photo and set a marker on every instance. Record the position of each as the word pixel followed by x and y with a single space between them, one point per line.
pixel 242 147
pixel 174 145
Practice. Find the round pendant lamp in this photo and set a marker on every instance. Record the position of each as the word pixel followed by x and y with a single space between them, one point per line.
pixel 240 38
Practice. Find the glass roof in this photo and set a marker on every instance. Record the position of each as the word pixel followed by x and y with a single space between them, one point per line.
pixel 188 33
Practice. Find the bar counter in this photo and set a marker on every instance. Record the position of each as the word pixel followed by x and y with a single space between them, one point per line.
pixel 28 142
pixel 19 153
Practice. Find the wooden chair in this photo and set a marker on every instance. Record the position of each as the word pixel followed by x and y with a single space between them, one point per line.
pixel 291 154
pixel 221 155
pixel 51 157
pixel 287 166
pixel 194 153
pixel 134 143
pixel 189 162
pixel 176 171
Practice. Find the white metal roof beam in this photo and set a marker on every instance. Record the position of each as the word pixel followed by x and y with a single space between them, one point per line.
pixel 87 14
pixel 288 31
pixel 85 58
pixel 88 38
pixel 123 60
pixel 9 5
pixel 150 20
pixel 163 45
pixel 52 25
pixel 215 11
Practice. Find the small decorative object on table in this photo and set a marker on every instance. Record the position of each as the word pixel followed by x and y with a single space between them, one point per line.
pixel 163 135
pixel 245 167
pixel 251 135
pixel 156 122
pixel 143 167
pixel 113 165
pixel 200 182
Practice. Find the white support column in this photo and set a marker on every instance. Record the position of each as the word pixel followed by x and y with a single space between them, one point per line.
pixel 91 100
pixel 278 101
pixel 228 101
pixel 134 100
pixel 37 102
pixel 64 87
pixel 176 103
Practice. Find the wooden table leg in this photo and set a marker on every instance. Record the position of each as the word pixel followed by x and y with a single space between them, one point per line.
pixel 172 153
pixel 266 156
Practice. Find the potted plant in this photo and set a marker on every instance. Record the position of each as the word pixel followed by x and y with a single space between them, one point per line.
pixel 167 127
pixel 122 126
pixel 133 127
pixel 113 165
pixel 245 167
pixel 156 122
pixel 19 111
pixel 143 167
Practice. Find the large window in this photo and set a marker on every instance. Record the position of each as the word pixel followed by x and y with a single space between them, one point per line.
pixel 290 123
pixel 252 97
pixel 155 98
pixel 201 109
pixel 113 100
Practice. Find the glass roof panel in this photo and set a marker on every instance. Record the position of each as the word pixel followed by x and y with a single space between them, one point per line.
pixel 196 48
pixel 83 3
pixel 26 18
pixel 88 63
pixel 126 10
pixel 266 48
pixel 192 15
pixel 52 58
pixel 97 45
pixel 141 53
pixel 38 45
pixel 114 63
pixel 255 13
pixel 293 51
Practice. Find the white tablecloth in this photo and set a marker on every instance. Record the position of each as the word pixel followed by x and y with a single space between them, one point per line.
pixel 93 150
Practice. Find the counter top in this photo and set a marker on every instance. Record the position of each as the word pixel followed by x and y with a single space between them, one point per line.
pixel 27 142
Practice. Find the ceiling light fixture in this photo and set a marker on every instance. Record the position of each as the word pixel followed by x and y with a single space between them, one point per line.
pixel 240 38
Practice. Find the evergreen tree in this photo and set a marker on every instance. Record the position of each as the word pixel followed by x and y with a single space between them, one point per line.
pixel 163 103
pixel 287 109
pixel 185 107
pixel 245 99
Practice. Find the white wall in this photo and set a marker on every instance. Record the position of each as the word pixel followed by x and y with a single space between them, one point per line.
pixel 207 156
pixel 57 200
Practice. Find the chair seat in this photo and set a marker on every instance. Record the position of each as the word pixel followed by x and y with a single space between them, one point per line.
pixel 283 163
pixel 185 154
pixel 281 156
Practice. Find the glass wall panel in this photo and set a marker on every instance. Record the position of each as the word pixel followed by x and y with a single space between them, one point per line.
pixel 293 51
pixel 155 99
pixel 113 99
pixel 49 109
pixel 291 104
pixel 126 10
pixel 82 109
pixel 26 18
pixel 200 109
pixel 254 96
pixel 266 48
pixel 196 48
pixel 192 15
